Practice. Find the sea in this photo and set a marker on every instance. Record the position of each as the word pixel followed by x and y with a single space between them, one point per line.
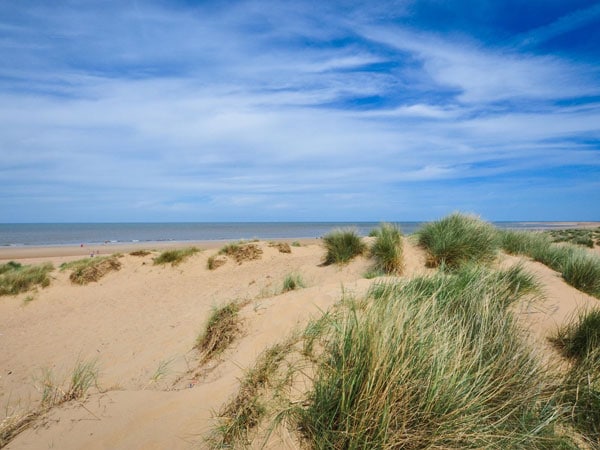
pixel 62 234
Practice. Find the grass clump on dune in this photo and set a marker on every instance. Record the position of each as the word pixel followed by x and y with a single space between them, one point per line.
pixel 87 270
pixel 215 261
pixel 523 242
pixel 241 251
pixel 387 249
pixel 581 394
pixel 292 282
pixel 11 266
pixel 538 246
pixel 435 362
pixel 175 257
pixel 342 246
pixel 580 390
pixel 16 278
pixel 283 247
pixel 222 328
pixel 458 239
pixel 245 411
pixel 579 268
pixel 580 337
pixel 582 271
pixel 83 377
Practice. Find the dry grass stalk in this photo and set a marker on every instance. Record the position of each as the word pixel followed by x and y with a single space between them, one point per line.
pixel 222 328
pixel 283 247
pixel 92 269
pixel 245 411
pixel 242 252
pixel 83 377
pixel 215 261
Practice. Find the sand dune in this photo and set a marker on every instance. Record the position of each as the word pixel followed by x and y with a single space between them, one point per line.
pixel 140 324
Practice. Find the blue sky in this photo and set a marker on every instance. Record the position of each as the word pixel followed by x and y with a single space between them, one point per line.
pixel 307 110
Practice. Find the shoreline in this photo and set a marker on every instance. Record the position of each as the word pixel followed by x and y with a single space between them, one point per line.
pixel 85 250
pixel 31 252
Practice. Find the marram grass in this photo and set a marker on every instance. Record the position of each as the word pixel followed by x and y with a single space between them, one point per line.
pixel 576 236
pixel 387 249
pixel 579 267
pixel 246 410
pixel 175 257
pixel 342 245
pixel 83 377
pixel 16 278
pixel 87 270
pixel 580 336
pixel 580 393
pixel 292 282
pixel 580 390
pixel 222 328
pixel 458 239
pixel 582 271
pixel 433 363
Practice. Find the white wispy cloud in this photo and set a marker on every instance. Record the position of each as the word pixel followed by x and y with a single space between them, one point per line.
pixel 489 74
pixel 284 111
pixel 564 24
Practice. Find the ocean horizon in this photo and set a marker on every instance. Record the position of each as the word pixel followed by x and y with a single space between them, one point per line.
pixel 62 234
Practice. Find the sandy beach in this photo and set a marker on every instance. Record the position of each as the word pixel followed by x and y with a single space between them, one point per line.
pixel 61 253
pixel 139 326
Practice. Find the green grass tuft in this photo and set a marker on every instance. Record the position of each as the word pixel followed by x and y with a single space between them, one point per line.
pixel 175 257
pixel 458 239
pixel 83 376
pixel 292 282
pixel 16 278
pixel 581 336
pixel 10 266
pixel 387 249
pixel 373 273
pixel 342 246
pixel 231 248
